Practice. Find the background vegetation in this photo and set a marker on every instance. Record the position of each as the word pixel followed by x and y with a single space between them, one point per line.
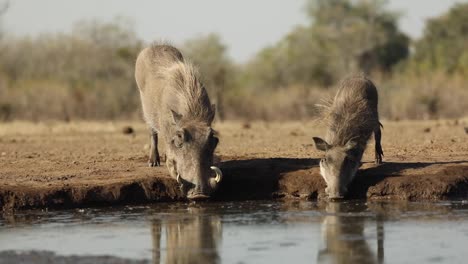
pixel 88 73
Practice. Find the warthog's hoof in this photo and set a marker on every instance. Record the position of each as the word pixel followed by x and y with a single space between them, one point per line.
pixel 378 156
pixel 154 163
pixel 378 161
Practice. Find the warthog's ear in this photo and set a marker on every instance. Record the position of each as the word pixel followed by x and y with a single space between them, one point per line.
pixel 321 144
pixel 176 117
pixel 214 142
pixel 213 110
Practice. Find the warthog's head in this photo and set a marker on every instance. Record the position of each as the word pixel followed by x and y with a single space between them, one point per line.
pixel 190 157
pixel 338 167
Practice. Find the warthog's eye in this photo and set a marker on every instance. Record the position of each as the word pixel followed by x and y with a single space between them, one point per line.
pixel 327 160
pixel 179 139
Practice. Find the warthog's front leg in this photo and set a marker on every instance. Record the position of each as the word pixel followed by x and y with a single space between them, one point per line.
pixel 378 146
pixel 154 153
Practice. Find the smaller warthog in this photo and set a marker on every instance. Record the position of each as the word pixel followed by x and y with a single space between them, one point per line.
pixel 351 119
pixel 176 107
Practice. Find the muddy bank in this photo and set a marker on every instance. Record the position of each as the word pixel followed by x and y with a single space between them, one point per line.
pixel 92 164
pixel 300 178
pixel 251 179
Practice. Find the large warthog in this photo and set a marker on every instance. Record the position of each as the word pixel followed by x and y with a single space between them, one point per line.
pixel 344 238
pixel 176 108
pixel 351 118
pixel 193 238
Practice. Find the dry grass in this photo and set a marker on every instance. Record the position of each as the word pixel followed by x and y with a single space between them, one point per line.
pixel 433 96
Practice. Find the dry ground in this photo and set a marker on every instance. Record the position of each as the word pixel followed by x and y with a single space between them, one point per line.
pixel 93 163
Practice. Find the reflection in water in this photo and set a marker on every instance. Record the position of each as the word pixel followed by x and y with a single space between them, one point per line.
pixel 252 232
pixel 344 238
pixel 191 239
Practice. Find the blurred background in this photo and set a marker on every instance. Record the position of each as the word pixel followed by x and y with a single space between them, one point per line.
pixel 263 59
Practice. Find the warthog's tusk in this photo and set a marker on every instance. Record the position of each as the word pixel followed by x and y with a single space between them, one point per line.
pixel 179 179
pixel 219 174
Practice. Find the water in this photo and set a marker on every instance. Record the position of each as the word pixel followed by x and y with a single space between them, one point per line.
pixel 248 232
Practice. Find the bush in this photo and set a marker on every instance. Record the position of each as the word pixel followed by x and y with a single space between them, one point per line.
pixel 89 74
pixel 84 75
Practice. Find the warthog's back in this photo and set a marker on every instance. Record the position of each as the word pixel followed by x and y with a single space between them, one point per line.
pixel 151 60
pixel 150 67
pixel 353 114
pixel 166 82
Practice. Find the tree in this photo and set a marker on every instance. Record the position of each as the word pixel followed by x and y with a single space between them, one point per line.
pixel 343 37
pixel 3 8
pixel 5 107
pixel 209 54
pixel 86 74
pixel 444 44
pixel 115 34
pixel 364 33
pixel 299 58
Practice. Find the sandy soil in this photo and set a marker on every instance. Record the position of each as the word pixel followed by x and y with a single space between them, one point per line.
pixel 95 163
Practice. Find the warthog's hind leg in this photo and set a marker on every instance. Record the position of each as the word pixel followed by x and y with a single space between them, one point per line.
pixel 154 159
pixel 378 146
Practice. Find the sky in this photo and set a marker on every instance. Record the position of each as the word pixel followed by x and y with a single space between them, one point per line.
pixel 245 26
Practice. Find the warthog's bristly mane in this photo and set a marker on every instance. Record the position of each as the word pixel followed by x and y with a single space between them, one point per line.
pixel 184 82
pixel 351 117
pixel 183 78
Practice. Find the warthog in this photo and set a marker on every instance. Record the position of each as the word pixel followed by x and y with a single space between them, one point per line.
pixel 177 108
pixel 338 226
pixel 351 119
pixel 194 238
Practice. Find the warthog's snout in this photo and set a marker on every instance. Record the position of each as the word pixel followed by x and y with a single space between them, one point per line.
pixel 336 191
pixel 336 197
pixel 198 197
pixel 203 190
